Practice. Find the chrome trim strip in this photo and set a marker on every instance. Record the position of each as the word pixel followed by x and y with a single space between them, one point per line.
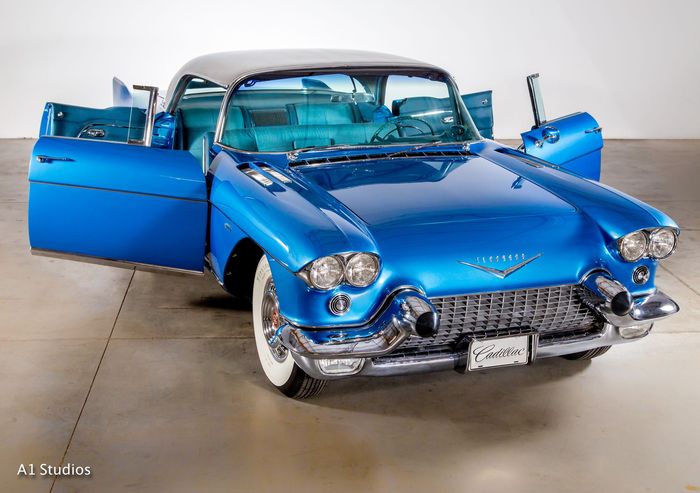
pixel 474 293
pixel 100 189
pixel 41 252
pixel 379 343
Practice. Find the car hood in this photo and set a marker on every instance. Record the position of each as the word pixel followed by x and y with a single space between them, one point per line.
pixel 437 221
pixel 421 191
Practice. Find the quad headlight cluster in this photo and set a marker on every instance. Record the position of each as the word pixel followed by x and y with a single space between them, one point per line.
pixel 356 269
pixel 654 243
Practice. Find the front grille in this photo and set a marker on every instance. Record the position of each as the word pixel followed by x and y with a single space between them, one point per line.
pixel 555 313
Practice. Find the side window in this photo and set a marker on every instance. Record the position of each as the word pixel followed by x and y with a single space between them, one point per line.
pixel 197 113
pixel 128 120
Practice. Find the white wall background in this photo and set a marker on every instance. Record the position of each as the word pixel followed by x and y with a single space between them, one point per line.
pixel 634 65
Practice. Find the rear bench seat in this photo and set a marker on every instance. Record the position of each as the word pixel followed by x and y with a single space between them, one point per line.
pixel 270 129
pixel 310 124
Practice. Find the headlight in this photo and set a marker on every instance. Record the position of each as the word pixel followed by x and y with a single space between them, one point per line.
pixel 633 246
pixel 326 273
pixel 662 242
pixel 361 270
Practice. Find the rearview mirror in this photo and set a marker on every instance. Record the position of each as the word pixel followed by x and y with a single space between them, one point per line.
pixel 533 85
pixel 355 97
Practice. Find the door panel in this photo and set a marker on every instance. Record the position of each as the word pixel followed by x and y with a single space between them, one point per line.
pixel 480 107
pixel 118 202
pixel 573 142
pixel 114 124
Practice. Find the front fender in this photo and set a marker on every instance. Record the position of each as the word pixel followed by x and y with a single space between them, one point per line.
pixel 616 213
pixel 291 223
pixel 294 226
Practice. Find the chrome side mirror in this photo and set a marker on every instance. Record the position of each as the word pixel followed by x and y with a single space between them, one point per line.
pixel 549 134
pixel 533 85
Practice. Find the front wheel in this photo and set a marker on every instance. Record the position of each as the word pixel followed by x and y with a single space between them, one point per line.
pixel 278 365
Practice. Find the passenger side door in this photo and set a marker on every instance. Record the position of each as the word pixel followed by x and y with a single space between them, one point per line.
pixel 123 201
pixel 573 142
pixel 480 107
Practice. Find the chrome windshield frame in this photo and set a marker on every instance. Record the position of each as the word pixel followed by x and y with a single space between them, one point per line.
pixel 449 80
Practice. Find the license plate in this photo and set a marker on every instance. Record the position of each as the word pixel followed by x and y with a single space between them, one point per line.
pixel 499 351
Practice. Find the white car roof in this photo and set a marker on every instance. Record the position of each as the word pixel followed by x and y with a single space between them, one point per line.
pixel 227 67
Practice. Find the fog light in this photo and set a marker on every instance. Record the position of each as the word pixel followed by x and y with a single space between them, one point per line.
pixel 340 366
pixel 339 304
pixel 634 331
pixel 640 274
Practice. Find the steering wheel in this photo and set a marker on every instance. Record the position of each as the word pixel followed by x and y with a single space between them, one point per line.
pixel 399 127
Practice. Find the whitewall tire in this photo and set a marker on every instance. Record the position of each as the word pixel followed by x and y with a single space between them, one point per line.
pixel 278 365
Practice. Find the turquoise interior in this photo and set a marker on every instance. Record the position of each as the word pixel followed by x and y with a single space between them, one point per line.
pixel 113 124
pixel 265 122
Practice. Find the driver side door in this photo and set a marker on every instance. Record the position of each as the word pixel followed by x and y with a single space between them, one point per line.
pixel 100 192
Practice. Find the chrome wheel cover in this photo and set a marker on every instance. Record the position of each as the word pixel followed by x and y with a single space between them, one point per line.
pixel 271 321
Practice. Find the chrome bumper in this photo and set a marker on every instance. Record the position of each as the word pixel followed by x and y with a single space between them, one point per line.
pixel 608 337
pixel 399 319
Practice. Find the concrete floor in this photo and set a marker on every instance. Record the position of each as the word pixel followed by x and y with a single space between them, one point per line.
pixel 153 381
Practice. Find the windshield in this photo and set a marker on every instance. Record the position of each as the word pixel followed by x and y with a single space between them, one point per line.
pixel 345 109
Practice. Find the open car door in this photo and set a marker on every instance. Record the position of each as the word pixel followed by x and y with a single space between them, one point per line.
pixel 98 191
pixel 573 142
pixel 480 107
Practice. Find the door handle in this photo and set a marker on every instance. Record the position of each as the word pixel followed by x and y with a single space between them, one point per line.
pixel 96 133
pixel 595 130
pixel 49 159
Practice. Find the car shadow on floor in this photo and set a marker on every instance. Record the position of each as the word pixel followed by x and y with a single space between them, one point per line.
pixel 489 395
pixel 223 301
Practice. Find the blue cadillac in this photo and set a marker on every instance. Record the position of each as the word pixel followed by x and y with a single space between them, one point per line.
pixel 360 203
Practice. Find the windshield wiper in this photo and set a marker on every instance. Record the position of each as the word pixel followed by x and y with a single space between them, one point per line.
pixel 435 143
pixel 293 155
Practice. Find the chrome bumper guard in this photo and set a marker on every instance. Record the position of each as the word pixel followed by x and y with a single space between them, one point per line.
pixel 607 295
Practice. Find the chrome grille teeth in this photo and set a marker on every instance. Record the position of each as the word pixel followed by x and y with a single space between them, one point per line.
pixel 554 312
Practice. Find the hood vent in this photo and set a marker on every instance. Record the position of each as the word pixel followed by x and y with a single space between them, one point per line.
pixel 367 157
pixel 255 175
pixel 263 173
